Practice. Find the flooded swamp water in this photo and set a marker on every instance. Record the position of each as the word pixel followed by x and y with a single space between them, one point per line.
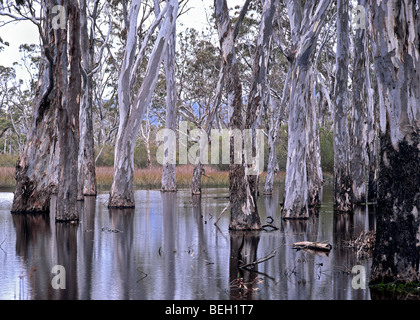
pixel 168 248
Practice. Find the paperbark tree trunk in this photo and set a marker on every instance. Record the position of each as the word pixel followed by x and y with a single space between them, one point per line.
pixel 372 121
pixel 272 165
pixel 313 153
pixel 305 25
pixel 35 177
pixel 258 92
pixel 395 34
pixel 273 129
pixel 48 164
pixel 132 108
pixel 68 116
pixel 86 158
pixel 359 116
pixel 343 194
pixel 242 217
pixel 168 170
pixel 196 179
pixel 86 162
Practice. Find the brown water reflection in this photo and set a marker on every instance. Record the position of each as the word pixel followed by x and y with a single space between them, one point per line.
pixel 169 248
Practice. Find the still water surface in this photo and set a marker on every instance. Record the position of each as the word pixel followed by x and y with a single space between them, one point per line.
pixel 169 248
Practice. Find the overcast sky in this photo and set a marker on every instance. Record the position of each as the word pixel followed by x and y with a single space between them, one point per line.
pixel 26 32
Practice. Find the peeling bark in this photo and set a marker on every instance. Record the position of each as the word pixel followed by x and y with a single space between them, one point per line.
pixel 359 116
pixel 86 158
pixel 132 108
pixel 258 91
pixel 44 168
pixel 343 185
pixel 313 154
pixel 372 121
pixel 395 29
pixel 242 217
pixel 196 179
pixel 68 117
pixel 273 130
pixel 168 170
pixel 305 25
pixel 296 183
pixel 35 179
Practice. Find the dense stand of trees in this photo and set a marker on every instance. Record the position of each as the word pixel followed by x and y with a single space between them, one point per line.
pixel 108 75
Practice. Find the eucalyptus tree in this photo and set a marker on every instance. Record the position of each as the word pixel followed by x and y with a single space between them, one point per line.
pixel 275 109
pixel 48 162
pixel 244 214
pixel 343 192
pixel 168 179
pixel 90 65
pixel 305 25
pixel 133 103
pixel 363 118
pixel 394 29
pixel 259 93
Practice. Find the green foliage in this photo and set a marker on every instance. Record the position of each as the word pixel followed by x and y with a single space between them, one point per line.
pixel 281 147
pixel 8 160
pixel 140 154
pixel 397 290
pixel 106 159
pixel 326 140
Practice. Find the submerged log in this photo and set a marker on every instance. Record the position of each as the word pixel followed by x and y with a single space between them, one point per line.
pixel 322 246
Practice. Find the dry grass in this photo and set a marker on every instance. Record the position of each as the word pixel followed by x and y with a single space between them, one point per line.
pixel 151 178
pixel 148 178
pixel 7 177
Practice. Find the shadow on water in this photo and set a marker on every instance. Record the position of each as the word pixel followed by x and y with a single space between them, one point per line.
pixel 243 250
pixel 169 248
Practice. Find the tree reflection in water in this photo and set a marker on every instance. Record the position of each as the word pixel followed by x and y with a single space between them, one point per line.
pixel 169 248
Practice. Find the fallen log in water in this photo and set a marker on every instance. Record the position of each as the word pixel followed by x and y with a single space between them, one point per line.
pixel 322 246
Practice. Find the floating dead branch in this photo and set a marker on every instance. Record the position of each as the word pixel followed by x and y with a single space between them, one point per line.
pixel 321 246
pixel 109 230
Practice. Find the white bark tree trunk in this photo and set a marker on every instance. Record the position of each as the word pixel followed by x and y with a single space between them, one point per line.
pixel 395 28
pixel 132 107
pixel 258 91
pixel 305 24
pixel 313 154
pixel 86 158
pixel 343 194
pixel 168 170
pixel 168 180
pixel 359 116
pixel 273 128
pixel 242 217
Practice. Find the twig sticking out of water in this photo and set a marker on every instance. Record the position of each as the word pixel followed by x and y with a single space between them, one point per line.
pixel 144 274
pixel 266 226
pixel 2 243
pixel 260 260
pixel 223 211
